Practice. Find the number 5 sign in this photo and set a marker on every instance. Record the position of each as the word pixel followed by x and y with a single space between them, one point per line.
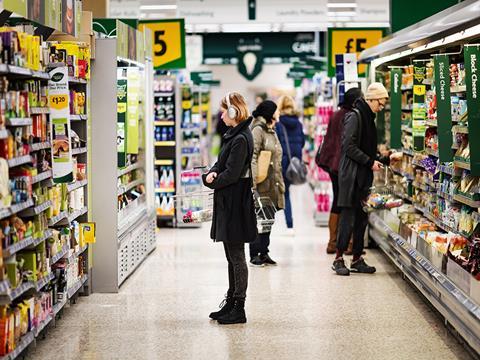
pixel 168 39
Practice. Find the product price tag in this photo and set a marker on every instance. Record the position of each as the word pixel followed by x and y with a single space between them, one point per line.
pixel 58 102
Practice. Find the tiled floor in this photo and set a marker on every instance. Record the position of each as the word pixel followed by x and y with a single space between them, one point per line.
pixel 298 310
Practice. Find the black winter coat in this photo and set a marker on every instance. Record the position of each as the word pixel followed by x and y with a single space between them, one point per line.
pixel 358 155
pixel 234 217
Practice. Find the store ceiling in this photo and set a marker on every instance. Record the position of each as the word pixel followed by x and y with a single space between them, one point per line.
pixel 271 15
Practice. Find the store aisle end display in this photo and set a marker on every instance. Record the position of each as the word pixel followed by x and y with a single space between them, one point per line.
pixel 434 237
pixel 123 164
pixel 44 228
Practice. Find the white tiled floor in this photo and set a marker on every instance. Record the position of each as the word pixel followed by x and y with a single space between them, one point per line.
pixel 298 310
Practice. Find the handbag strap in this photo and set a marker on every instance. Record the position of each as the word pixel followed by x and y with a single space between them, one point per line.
pixel 285 134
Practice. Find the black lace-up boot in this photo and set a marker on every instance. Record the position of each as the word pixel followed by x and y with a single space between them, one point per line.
pixel 236 314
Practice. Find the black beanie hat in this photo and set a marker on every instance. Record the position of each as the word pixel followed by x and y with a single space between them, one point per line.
pixel 265 109
pixel 350 97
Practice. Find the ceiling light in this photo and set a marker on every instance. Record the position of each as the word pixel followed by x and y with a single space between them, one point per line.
pixel 342 5
pixel 158 7
pixel 369 24
pixel 341 13
pixel 232 28
pixel 155 15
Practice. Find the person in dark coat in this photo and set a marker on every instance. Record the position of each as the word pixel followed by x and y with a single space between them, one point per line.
pixel 234 220
pixel 290 124
pixel 358 161
pixel 329 160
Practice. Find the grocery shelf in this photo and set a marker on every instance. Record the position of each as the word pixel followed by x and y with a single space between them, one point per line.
pixel 47 234
pixel 162 94
pixel 431 152
pixel 39 110
pixel 43 324
pixel 407 88
pixel 61 254
pixel 408 152
pixel 447 170
pixel 60 305
pixel 432 123
pixel 165 143
pixel 78 117
pixel 460 129
pixel 13 209
pixel 403 196
pixel 458 89
pixel 74 289
pixel 20 160
pixel 42 176
pixel 40 284
pixel 417 163
pixel 122 189
pixel 457 308
pixel 164 123
pixel 432 184
pixel 137 165
pixel 40 146
pixel 164 162
pixel 20 71
pixel 37 209
pixel 56 219
pixel 405 175
pixel 462 165
pixel 78 151
pixel 124 224
pixel 465 200
pixel 76 254
pixel 20 245
pixel 76 214
pixel 420 186
pixel 77 185
pixel 75 80
pixel 19 121
pixel 407 129
pixel 446 196
pixel 25 341
pixel 164 190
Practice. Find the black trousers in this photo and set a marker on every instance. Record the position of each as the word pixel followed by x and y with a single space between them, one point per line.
pixel 237 269
pixel 353 220
pixel 260 245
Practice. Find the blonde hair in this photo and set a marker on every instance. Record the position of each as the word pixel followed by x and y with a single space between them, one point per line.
pixel 287 105
pixel 239 103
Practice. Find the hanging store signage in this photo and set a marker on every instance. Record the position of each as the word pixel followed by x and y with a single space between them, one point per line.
pixel 344 40
pixel 444 107
pixel 396 108
pixel 133 110
pixel 168 41
pixel 419 116
pixel 203 78
pixel 250 59
pixel 287 11
pixel 212 11
pixel 59 103
pixel 124 9
pixel 472 69
pixel 121 118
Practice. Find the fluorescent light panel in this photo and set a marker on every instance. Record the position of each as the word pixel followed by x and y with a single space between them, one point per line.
pixel 158 7
pixel 255 27
pixel 342 5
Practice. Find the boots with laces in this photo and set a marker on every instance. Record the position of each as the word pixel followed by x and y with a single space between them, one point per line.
pixel 236 314
pixel 225 307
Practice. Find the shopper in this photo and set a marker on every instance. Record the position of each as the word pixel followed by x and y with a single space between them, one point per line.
pixel 273 187
pixel 234 221
pixel 357 163
pixel 329 159
pixel 291 125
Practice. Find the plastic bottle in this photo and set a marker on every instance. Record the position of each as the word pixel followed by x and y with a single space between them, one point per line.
pixel 171 179
pixel 163 178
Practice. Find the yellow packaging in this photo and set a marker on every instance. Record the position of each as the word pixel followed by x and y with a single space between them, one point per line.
pixel 36 53
pixel 87 233
pixel 29 52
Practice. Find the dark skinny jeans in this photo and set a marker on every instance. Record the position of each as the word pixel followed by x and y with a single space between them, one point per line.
pixel 237 269
pixel 353 220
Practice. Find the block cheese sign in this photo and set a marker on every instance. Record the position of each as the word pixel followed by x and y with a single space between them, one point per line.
pixel 472 70
pixel 345 40
pixel 168 41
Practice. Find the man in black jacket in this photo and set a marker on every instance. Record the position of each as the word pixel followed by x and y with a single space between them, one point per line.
pixel 357 163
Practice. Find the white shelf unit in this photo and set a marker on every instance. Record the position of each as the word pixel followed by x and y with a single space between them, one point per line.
pixel 125 238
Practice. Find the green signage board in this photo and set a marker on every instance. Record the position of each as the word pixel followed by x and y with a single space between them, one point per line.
pixel 380 120
pixel 444 107
pixel 203 78
pixel 472 69
pixel 396 108
pixel 419 116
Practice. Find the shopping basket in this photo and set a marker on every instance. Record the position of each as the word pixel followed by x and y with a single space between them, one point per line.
pixel 382 195
pixel 265 212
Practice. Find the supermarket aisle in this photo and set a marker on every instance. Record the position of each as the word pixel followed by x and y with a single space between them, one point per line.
pixel 299 309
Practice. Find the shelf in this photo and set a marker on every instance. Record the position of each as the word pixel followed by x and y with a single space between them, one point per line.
pixel 40 284
pixel 137 165
pixel 24 342
pixel 431 152
pixel 122 189
pixel 77 185
pixel 124 224
pixel 56 219
pixel 19 121
pixel 24 72
pixel 462 165
pixel 408 152
pixel 12 210
pixel 458 89
pixel 163 94
pixel 55 258
pixel 75 80
pixel 79 151
pixel 37 209
pixel 406 129
pixel 78 117
pixel 465 200
pixel 40 146
pixel 420 186
pixel 417 163
pixel 165 190
pixel 76 254
pixel 164 123
pixel 432 123
pixel 433 185
pixel 74 289
pixel 47 234
pixel 165 143
pixel 446 196
pixel 447 170
pixel 76 214
pixel 459 129
pixel 39 110
pixel 164 162
pixel 403 196
pixel 42 176
pixel 43 324
pixel 20 245
pixel 405 175
pixel 21 160
pixel 60 305
pixel 407 88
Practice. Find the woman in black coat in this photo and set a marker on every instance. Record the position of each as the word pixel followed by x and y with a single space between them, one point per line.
pixel 234 221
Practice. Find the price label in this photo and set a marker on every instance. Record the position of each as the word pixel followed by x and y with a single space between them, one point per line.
pixel 59 101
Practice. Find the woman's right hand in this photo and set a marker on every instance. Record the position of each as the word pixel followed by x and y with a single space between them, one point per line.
pixel 377 166
pixel 210 177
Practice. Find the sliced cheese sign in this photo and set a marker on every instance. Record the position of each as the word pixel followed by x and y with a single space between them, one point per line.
pixel 168 39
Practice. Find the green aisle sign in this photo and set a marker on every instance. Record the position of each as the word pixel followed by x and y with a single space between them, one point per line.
pixel 419 107
pixel 444 107
pixel 396 108
pixel 472 57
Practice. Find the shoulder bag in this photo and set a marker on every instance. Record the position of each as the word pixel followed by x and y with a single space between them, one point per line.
pixel 296 172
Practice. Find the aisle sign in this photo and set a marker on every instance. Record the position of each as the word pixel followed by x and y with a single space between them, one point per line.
pixel 59 103
pixel 168 40
pixel 419 116
pixel 344 40
pixel 444 107
pixel 396 108
pixel 133 111
pixel 472 70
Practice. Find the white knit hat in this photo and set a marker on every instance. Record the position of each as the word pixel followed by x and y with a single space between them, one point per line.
pixel 375 91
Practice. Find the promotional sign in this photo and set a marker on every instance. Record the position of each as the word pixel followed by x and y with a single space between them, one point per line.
pixel 444 107
pixel 121 118
pixel 59 103
pixel 419 116
pixel 345 40
pixel 133 111
pixel 472 66
pixel 396 108
pixel 250 59
pixel 168 41
pixel 203 78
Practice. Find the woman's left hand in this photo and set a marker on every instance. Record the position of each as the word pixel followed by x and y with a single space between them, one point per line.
pixel 210 177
